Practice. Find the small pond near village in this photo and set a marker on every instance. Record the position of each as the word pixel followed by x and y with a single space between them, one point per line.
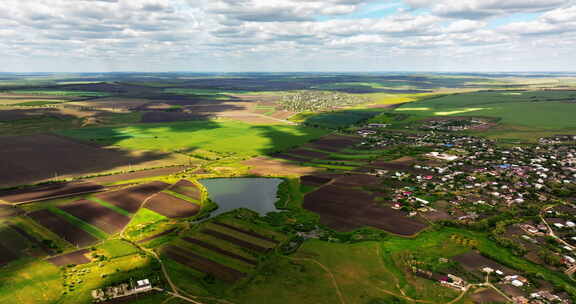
pixel 257 194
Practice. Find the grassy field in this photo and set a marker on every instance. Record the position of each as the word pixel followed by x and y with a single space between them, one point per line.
pixel 30 282
pixel 323 272
pixel 538 109
pixel 366 271
pixel 117 248
pixel 226 137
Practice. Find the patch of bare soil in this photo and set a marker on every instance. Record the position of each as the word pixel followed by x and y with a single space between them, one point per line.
pixel 267 166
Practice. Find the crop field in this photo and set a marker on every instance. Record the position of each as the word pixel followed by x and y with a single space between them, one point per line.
pixel 187 188
pixel 75 258
pixel 48 191
pixel 345 209
pixel 223 137
pixel 117 248
pixel 171 206
pixel 13 242
pixel 63 228
pixel 219 250
pixel 227 248
pixel 34 158
pixel 7 211
pixel 336 119
pixel 131 199
pixel 540 109
pixel 97 215
pixel 60 93
pixel 202 264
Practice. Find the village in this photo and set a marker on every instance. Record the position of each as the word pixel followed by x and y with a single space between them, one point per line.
pixel 467 181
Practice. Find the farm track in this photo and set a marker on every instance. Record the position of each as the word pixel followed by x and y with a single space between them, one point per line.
pixel 329 272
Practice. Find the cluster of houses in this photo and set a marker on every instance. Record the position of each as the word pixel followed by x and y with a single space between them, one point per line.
pixel 121 290
pixel 478 178
pixel 557 139
pixel 451 125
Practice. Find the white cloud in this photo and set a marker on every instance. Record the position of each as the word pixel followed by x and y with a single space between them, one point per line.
pixel 479 9
pixel 253 34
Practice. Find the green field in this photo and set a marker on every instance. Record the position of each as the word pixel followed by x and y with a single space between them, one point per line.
pixel 30 282
pixel 538 109
pixel 117 248
pixel 226 137
pixel 61 93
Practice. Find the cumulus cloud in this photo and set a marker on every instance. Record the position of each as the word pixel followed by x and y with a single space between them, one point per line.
pixel 558 21
pixel 480 9
pixel 209 34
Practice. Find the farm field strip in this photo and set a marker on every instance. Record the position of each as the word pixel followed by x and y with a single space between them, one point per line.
pixel 49 192
pixel 171 206
pixel 131 199
pixel 95 231
pixel 202 264
pixel 158 235
pixel 347 209
pixel 187 188
pixel 235 241
pixel 247 232
pixel 220 243
pixel 7 255
pixel 307 153
pixel 75 258
pixel 32 239
pixel 289 157
pixel 219 250
pixel 149 173
pixel 12 239
pixel 241 235
pixel 97 215
pixel 63 228
pixel 214 256
pixel 108 205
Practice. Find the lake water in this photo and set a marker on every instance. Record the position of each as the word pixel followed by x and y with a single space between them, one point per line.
pixel 257 194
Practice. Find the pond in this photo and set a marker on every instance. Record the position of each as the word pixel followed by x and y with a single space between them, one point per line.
pixel 257 194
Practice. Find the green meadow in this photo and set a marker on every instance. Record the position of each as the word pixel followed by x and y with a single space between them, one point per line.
pixel 225 137
pixel 538 109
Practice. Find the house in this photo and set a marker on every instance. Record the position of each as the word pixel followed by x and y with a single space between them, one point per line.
pixel 143 285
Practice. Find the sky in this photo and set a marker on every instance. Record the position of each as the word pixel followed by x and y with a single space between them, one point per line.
pixel 287 35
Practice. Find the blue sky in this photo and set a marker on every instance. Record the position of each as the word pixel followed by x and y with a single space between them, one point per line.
pixel 287 35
